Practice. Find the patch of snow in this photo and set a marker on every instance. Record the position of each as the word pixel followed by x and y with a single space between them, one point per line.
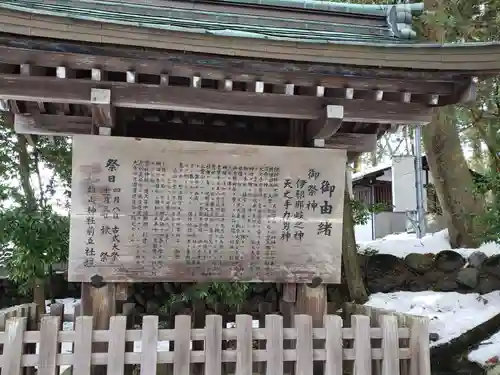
pixel 451 314
pixel 402 244
pixel 359 175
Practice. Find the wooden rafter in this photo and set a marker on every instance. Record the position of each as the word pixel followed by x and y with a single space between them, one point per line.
pixel 154 62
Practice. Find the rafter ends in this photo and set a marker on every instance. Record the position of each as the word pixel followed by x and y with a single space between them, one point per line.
pixel 319 142
pixel 335 112
pixel 100 96
pixel 103 130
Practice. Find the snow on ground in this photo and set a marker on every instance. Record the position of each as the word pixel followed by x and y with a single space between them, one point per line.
pixel 451 314
pixel 402 244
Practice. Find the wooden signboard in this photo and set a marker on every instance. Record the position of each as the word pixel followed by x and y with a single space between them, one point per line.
pixel 160 210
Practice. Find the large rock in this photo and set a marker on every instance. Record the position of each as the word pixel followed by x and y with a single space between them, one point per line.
pixel 449 260
pixel 446 285
pixel 468 277
pixel 385 273
pixel 488 284
pixel 419 262
pixel 477 258
pixel 491 265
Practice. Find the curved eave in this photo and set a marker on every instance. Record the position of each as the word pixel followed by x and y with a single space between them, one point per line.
pixel 474 57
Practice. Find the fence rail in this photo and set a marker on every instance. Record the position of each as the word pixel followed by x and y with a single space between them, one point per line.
pixel 335 346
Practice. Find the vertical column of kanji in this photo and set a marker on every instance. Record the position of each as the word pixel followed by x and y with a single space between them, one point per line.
pixel 161 222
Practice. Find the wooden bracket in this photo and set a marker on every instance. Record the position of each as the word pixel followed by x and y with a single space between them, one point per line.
pixel 102 111
pixel 469 93
pixel 326 125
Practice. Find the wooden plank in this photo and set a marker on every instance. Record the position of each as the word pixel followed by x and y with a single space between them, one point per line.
pixel 120 58
pixel 57 309
pixel 149 345
pixel 48 345
pixel 333 345
pixel 353 142
pixel 274 344
pixel 43 124
pixel 301 250
pixel 16 87
pixel 304 345
pixel 213 345
pixel 390 345
pixel 13 346
pixel 244 345
pixel 362 345
pixel 83 345
pixel 116 347
pixel 182 345
pixel 327 124
pixel 420 363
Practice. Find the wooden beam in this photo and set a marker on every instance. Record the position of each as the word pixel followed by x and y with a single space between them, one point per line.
pixel 327 124
pixel 42 124
pixel 188 99
pixel 353 142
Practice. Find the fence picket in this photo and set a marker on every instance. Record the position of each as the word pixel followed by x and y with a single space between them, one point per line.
pixel 362 345
pixel 392 351
pixel 304 345
pixel 244 345
pixel 390 345
pixel 182 345
pixel 48 345
pixel 420 363
pixel 83 345
pixel 149 344
pixel 213 345
pixel 13 347
pixel 274 344
pixel 333 345
pixel 116 347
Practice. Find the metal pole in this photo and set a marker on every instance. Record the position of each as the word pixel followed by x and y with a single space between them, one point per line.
pixel 419 187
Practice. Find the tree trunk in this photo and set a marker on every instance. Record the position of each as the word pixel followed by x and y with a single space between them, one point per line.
pixel 449 169
pixel 39 295
pixel 443 354
pixel 352 272
pixel 452 179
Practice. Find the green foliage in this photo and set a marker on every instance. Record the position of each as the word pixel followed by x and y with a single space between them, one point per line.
pixel 36 240
pixel 211 294
pixel 489 186
pixel 34 186
pixel 361 212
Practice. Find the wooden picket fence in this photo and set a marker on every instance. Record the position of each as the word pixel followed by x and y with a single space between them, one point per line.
pixel 360 348
pixel 26 310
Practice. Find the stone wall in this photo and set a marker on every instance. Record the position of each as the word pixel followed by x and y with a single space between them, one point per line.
pixel 446 271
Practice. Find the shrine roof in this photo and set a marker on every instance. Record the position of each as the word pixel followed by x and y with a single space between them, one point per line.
pixel 287 20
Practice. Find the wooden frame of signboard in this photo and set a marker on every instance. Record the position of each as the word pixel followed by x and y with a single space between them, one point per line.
pixel 157 210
